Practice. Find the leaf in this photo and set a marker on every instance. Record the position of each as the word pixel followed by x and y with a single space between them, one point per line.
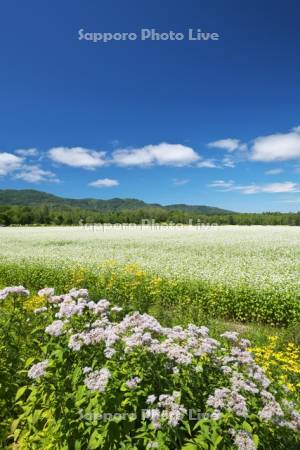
pixel 189 447
pixel 14 425
pixel 77 445
pixel 20 392
pixel 218 440
pixel 95 440
pixel 247 427
pixel 255 439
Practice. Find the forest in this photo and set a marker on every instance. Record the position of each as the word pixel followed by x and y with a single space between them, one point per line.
pixel 47 215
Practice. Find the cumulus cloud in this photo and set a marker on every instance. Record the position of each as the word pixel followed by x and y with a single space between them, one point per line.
pixel 162 154
pixel 34 174
pixel 277 147
pixel 9 163
pixel 104 183
pixel 77 157
pixel 228 144
pixel 273 147
pixel 15 166
pixel 271 188
pixel 27 152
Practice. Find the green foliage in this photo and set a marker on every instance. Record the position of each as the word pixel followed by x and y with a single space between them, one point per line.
pixel 186 300
pixel 59 409
pixel 21 336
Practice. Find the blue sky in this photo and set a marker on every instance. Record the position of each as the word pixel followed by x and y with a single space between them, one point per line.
pixel 212 122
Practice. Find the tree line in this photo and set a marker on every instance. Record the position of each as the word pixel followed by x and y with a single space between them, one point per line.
pixel 44 215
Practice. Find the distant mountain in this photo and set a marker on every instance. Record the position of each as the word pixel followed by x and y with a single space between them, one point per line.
pixel 31 197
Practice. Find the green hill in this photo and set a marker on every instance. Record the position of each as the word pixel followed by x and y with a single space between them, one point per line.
pixel 31 197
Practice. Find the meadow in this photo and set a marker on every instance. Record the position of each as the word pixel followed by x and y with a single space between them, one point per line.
pixel 137 338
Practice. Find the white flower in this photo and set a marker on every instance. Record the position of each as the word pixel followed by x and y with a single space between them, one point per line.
pixel 226 370
pixel 76 293
pixel 18 290
pixel 271 411
pixel 70 307
pixel 230 335
pixel 38 370
pixel 40 310
pixel 116 309
pixel 109 352
pixel 97 380
pixel 153 444
pixel 133 382
pixel 151 399
pixel 46 292
pixel 154 416
pixel 243 440
pixel 55 329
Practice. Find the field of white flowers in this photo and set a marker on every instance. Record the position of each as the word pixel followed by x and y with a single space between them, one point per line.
pixel 256 255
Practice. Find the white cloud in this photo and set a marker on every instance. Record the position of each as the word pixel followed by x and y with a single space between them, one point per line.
pixel 27 152
pixel 15 166
pixel 277 147
pixel 77 157
pixel 223 185
pixel 228 162
pixel 286 186
pixel 228 144
pixel 104 183
pixel 271 188
pixel 274 172
pixel 9 163
pixel 208 164
pixel 273 147
pixel 163 154
pixel 34 174
pixel 178 182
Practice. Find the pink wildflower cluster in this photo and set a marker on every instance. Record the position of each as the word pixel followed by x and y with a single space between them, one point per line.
pixel 181 349
pixel 17 290
pixel 168 410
